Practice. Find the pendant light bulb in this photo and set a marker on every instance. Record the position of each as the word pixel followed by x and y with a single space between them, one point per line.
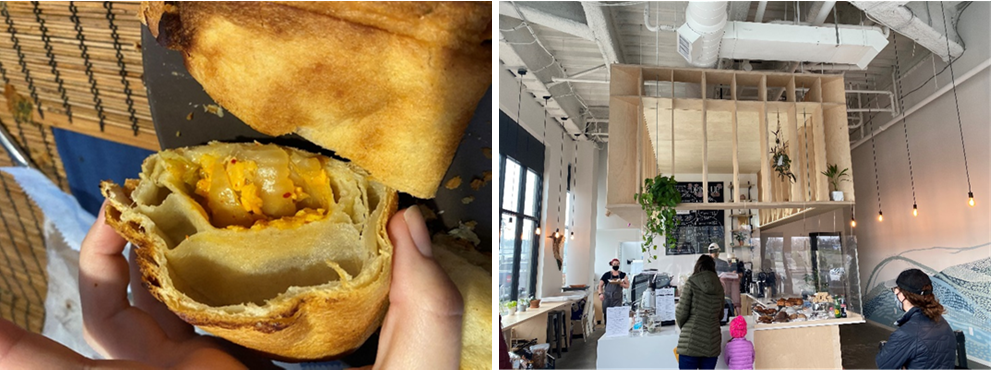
pixel 537 231
pixel 914 210
pixel 853 222
pixel 879 216
pixel 573 235
pixel 971 199
pixel 556 233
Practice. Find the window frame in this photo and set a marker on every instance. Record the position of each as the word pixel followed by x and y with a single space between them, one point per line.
pixel 520 215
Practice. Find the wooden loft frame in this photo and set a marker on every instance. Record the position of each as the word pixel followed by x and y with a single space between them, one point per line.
pixel 727 134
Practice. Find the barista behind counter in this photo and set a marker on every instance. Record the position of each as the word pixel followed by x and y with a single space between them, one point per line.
pixel 611 287
pixel 721 265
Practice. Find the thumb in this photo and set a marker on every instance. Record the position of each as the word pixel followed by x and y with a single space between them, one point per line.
pixel 425 307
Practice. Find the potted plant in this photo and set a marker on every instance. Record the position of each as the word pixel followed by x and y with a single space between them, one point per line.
pixel 522 305
pixel 535 303
pixel 740 236
pixel 511 307
pixel 836 176
pixel 658 199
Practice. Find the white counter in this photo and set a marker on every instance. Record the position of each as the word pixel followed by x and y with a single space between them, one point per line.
pixel 820 349
pixel 652 351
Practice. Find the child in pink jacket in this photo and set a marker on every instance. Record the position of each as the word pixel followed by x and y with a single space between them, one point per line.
pixel 739 352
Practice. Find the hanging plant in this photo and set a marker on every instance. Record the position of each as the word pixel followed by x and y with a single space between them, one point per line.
pixel 780 157
pixel 658 200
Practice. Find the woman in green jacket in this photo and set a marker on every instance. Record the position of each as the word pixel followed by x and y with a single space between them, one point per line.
pixel 698 317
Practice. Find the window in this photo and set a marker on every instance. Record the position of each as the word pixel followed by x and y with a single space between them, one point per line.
pixel 520 210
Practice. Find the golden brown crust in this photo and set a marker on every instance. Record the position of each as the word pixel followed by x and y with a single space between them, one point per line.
pixel 390 86
pixel 313 324
pixel 474 283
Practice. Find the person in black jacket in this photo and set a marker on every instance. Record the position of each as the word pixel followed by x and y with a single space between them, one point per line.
pixel 924 340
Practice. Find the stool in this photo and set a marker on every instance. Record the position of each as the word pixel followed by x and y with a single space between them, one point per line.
pixel 556 320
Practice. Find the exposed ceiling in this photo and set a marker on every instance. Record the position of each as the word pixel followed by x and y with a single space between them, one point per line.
pixel 576 42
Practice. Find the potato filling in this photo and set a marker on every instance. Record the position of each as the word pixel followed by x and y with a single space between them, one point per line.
pixel 266 187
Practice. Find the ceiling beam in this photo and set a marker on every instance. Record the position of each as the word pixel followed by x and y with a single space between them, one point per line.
pixel 819 11
pixel 908 20
pixel 604 30
pixel 519 48
pixel 564 16
pixel 739 10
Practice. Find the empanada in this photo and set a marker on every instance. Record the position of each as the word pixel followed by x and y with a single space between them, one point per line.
pixel 390 86
pixel 272 248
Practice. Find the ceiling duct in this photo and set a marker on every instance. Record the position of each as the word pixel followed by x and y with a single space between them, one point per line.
pixel 787 42
pixel 906 20
pixel 699 38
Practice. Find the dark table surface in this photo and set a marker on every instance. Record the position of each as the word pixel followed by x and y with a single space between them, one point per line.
pixel 173 95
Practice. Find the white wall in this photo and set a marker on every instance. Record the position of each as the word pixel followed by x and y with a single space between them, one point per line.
pixel 557 157
pixel 579 251
pixel 947 237
pixel 611 230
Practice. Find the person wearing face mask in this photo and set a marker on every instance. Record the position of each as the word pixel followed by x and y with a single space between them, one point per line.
pixel 924 340
pixel 611 287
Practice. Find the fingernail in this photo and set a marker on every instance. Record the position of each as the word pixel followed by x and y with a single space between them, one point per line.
pixel 418 230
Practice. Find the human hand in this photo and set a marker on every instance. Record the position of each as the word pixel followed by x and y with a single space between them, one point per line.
pixel 425 307
pixel 425 311
pixel 146 335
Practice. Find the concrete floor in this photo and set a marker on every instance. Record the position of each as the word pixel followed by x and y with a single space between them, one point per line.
pixel 859 345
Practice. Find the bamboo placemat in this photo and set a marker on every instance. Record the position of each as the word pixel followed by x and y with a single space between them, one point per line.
pixel 79 63
pixel 75 66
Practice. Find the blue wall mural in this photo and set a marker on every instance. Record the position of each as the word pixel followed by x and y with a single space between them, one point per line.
pixel 963 289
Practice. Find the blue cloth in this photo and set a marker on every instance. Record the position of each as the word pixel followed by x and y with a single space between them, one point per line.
pixel 919 343
pixel 693 362
pixel 89 160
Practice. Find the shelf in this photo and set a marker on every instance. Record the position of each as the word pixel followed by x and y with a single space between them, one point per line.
pixel 809 212
pixel 633 213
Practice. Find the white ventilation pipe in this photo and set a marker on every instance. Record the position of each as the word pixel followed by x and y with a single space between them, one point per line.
pixel 761 11
pixel 825 9
pixel 900 18
pixel 707 20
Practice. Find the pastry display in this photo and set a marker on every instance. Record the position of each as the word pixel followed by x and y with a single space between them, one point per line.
pixel 781 317
pixel 792 309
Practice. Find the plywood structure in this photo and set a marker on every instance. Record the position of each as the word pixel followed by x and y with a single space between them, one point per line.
pixel 717 133
pixel 816 347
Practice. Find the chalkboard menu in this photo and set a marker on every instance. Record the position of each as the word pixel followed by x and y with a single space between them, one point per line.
pixel 697 229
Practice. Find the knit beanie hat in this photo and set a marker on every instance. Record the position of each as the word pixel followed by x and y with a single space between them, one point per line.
pixel 738 327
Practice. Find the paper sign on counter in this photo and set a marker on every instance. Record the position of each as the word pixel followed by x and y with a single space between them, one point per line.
pixel 617 321
pixel 665 303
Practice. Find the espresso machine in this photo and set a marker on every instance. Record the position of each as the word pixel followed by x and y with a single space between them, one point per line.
pixel 747 278
pixel 764 282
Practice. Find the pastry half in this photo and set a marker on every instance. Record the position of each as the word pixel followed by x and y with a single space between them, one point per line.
pixel 273 248
pixel 391 86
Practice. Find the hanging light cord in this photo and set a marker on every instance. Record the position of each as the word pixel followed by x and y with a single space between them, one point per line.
pixel 874 157
pixel 905 129
pixel 954 87
pixel 575 175
pixel 561 177
pixel 809 187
